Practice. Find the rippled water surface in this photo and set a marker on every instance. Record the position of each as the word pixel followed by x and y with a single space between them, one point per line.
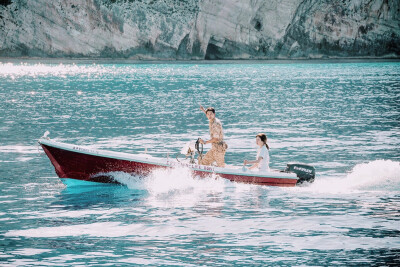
pixel 343 118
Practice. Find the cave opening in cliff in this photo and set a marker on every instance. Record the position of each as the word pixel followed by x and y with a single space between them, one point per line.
pixel 5 2
pixel 213 52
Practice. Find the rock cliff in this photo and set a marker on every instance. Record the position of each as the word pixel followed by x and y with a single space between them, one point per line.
pixel 200 29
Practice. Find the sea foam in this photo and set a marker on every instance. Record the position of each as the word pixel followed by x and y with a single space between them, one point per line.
pixel 379 175
pixel 169 181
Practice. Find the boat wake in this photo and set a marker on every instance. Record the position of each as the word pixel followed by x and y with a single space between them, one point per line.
pixel 378 175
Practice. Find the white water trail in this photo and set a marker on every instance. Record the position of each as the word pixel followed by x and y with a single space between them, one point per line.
pixel 378 175
pixel 169 184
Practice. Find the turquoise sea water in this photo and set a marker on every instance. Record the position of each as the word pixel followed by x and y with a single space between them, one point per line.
pixel 343 118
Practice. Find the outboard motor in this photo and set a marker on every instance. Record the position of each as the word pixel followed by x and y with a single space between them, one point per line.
pixel 304 172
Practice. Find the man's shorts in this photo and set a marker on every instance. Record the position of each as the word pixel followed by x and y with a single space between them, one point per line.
pixel 213 155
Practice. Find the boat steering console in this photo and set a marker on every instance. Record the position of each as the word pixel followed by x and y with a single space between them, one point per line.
pixel 189 151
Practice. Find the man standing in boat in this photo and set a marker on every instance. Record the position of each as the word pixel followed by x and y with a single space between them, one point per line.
pixel 218 145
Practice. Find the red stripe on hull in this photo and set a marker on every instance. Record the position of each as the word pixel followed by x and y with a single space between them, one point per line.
pixel 270 181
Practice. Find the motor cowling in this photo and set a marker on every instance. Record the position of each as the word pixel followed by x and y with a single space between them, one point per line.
pixel 305 173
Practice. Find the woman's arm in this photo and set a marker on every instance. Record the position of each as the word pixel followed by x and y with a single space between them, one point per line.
pixel 255 162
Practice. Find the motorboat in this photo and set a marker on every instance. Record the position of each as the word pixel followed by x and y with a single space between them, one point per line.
pixel 92 165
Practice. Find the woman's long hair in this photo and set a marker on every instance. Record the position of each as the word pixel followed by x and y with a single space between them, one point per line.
pixel 263 138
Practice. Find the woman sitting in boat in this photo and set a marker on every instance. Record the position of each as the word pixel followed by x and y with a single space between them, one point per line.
pixel 262 159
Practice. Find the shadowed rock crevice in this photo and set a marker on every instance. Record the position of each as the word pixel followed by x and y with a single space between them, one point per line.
pixel 213 52
pixel 182 52
pixel 5 2
pixel 256 23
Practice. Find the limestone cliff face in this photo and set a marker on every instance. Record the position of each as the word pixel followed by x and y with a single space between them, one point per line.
pixel 200 29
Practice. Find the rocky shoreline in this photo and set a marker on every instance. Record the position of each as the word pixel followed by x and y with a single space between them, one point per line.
pixel 65 60
pixel 200 30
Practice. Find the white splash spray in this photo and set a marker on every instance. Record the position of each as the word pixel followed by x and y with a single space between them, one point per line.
pixel 174 187
pixel 169 181
pixel 379 175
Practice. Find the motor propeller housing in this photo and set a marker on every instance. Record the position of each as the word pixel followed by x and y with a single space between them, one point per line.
pixel 305 173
